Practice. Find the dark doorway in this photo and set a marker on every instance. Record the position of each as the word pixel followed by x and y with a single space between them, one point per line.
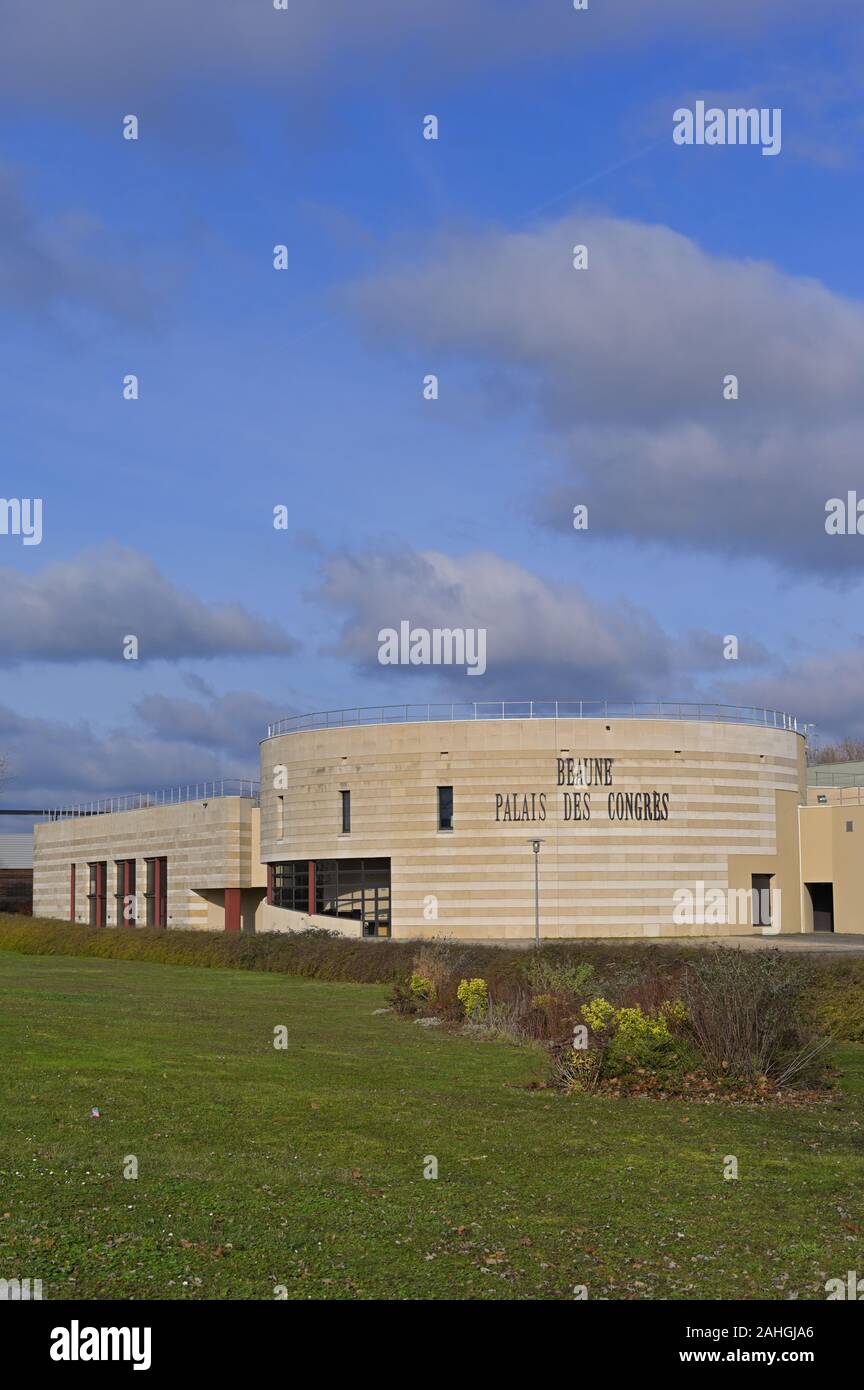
pixel 761 891
pixel 822 898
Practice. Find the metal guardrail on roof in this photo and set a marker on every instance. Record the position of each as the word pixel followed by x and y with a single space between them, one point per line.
pixel 171 796
pixel 534 709
pixel 835 796
pixel 849 774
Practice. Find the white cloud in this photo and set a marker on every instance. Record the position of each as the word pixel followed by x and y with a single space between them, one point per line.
pixel 544 641
pixel 625 364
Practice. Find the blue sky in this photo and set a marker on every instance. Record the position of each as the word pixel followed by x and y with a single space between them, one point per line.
pixel 409 256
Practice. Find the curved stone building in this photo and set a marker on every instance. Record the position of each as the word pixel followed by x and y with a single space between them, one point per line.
pixel 647 820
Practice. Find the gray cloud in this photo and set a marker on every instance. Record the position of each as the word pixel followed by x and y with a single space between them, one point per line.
pixel 549 641
pixel 69 263
pixel 544 641
pixel 825 690
pixel 99 46
pixel 54 762
pixel 81 610
pixel 171 742
pixel 234 722
pixel 624 364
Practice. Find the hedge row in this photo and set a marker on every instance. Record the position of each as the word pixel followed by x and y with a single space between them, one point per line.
pixel 316 956
pixel 837 989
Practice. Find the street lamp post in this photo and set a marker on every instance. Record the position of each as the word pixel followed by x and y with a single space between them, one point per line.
pixel 535 845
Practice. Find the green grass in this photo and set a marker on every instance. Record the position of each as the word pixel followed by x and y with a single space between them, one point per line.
pixel 304 1167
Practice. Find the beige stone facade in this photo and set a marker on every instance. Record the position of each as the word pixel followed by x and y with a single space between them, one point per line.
pixel 210 846
pixel 692 803
pixel 645 826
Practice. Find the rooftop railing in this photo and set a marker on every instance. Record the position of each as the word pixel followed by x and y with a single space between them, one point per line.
pixel 835 796
pixel 534 709
pixel 833 775
pixel 171 796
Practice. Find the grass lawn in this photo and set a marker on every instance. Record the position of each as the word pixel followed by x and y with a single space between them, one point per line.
pixel 304 1167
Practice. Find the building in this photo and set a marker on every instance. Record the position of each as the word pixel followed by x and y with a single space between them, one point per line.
pixel 477 822
pixel 16 873
pixel 189 859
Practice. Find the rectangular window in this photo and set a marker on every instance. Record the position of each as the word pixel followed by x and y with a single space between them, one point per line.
pixel 357 890
pixel 445 808
pixel 345 798
pixel 156 896
pixel 96 895
pixel 124 895
pixel 290 885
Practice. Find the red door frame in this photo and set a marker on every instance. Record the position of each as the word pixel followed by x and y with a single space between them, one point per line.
pixel 232 909
pixel 156 894
pixel 99 880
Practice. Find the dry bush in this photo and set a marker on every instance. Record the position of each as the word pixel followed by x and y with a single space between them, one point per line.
pixel 748 1016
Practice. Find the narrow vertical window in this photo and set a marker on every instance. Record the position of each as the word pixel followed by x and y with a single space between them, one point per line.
pixel 156 894
pixel 163 892
pixel 125 892
pixel 280 818
pixel 71 892
pixel 150 893
pixel 96 895
pixel 346 812
pixel 445 808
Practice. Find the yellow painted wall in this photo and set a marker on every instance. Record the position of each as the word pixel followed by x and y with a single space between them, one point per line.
pixel 833 854
pixel 782 866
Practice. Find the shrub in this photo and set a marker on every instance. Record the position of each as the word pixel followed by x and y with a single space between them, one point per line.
pixel 748 1016
pixel 626 1040
pixel 438 959
pixel 509 1018
pixel 599 1015
pixel 646 1042
pixel 577 1069
pixel 316 934
pixel 403 1000
pixel 552 977
pixel 422 989
pixel 473 995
